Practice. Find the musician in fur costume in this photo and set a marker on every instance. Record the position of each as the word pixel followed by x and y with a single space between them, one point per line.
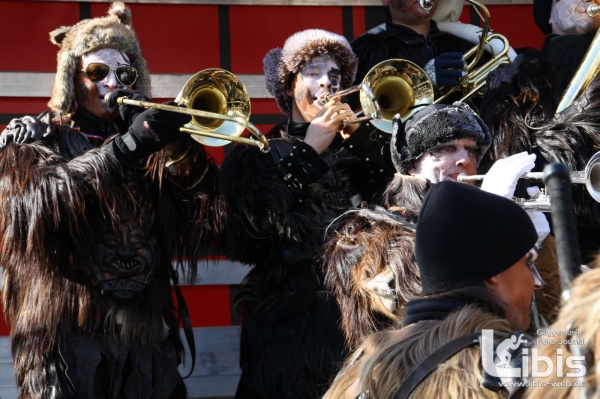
pixel 488 286
pixel 523 97
pixel 98 200
pixel 572 344
pixel 369 260
pixel 281 204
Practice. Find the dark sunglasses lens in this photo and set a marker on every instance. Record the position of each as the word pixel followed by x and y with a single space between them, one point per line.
pixel 97 72
pixel 126 74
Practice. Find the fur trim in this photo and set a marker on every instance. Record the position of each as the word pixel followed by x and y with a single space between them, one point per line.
pixel 433 125
pixel 113 31
pixel 281 65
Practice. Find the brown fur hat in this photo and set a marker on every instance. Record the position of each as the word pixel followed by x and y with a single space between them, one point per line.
pixel 282 65
pixel 113 31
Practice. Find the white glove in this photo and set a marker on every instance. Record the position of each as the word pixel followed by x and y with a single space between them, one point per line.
pixel 541 226
pixel 503 175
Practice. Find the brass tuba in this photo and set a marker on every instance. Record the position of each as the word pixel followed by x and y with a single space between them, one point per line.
pixel 476 75
pixel 220 108
pixel 400 86
pixel 586 72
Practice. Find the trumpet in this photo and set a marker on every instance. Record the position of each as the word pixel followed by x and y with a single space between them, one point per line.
pixel 220 108
pixel 540 201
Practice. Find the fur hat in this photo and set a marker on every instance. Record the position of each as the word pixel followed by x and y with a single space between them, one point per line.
pixel 541 14
pixel 113 31
pixel 282 65
pixel 432 125
pixel 466 235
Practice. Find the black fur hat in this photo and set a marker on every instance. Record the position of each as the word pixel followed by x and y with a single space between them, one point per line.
pixel 466 235
pixel 541 14
pixel 112 31
pixel 281 65
pixel 432 125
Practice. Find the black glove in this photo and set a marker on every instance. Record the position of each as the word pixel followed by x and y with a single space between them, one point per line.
pixel 504 73
pixel 446 69
pixel 128 112
pixel 150 131
pixel 24 130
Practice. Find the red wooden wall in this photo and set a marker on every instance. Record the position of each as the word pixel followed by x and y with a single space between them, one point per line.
pixel 186 38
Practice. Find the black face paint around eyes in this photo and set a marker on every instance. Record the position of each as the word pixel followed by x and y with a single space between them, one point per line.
pixel 434 156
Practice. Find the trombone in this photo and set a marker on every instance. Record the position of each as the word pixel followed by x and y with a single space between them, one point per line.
pixel 590 176
pixel 368 101
pixel 220 108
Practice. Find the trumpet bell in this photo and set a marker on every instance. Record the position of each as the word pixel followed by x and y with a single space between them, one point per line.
pixel 220 92
pixel 399 86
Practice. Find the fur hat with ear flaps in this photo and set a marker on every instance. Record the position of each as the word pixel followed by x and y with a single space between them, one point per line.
pixel 282 65
pixel 113 31
pixel 433 125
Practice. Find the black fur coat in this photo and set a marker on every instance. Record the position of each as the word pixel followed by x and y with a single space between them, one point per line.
pixel 86 251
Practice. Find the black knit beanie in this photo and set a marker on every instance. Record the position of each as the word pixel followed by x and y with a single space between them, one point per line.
pixel 466 235
pixel 433 125
pixel 541 14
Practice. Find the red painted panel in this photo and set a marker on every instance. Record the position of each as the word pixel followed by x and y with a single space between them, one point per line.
pixel 358 17
pixel 208 305
pixel 177 38
pixel 517 24
pixel 257 29
pixel 30 22
pixel 264 106
pixel 23 105
pixel 4 329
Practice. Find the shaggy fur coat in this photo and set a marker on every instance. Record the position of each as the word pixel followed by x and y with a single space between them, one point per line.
pixel 87 249
pixel 291 343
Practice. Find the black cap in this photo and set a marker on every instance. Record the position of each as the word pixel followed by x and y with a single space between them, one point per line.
pixel 466 235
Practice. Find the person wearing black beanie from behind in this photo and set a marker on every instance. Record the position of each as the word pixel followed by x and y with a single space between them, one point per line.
pixel 474 251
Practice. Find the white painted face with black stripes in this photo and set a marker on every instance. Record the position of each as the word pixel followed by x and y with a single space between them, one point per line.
pixel 90 95
pixel 319 77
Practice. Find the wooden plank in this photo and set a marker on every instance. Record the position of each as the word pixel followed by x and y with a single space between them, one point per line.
pixel 216 373
pixel 210 272
pixel 39 84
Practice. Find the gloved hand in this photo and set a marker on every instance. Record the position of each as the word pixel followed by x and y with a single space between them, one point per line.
pixel 446 69
pixel 504 73
pixel 128 112
pixel 150 131
pixel 541 226
pixel 24 130
pixel 502 177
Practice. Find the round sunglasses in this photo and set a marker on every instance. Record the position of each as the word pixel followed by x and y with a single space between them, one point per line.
pixel 125 74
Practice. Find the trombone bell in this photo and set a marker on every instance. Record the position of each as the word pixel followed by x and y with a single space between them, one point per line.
pixel 399 86
pixel 216 91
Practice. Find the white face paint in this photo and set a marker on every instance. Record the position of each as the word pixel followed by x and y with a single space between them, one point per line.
pixel 570 17
pixel 113 59
pixel 319 77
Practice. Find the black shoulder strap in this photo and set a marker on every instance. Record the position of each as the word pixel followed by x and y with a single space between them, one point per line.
pixel 428 365
pixel 184 316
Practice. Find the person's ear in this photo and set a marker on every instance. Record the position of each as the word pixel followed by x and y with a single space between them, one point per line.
pixel 491 282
